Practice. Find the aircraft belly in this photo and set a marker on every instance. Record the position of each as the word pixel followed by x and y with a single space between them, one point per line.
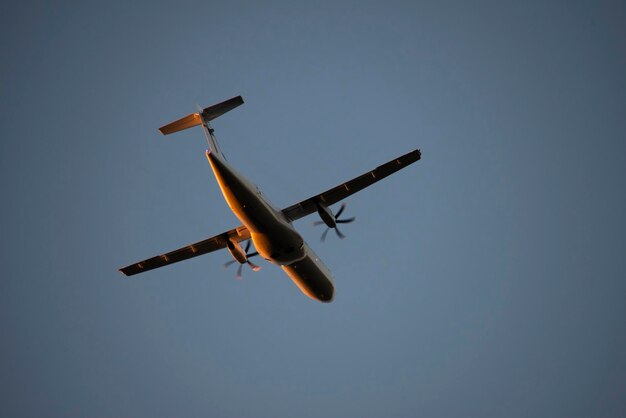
pixel 282 245
pixel 274 238
pixel 312 277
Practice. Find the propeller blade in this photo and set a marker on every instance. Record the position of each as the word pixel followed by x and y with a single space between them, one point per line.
pixel 251 264
pixel 345 221
pixel 338 214
pixel 228 263
pixel 254 266
pixel 337 221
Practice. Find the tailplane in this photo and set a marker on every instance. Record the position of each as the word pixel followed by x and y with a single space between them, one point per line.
pixel 181 124
pixel 208 114
pixel 203 118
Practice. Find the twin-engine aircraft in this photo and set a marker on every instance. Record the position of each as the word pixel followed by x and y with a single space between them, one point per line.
pixel 270 229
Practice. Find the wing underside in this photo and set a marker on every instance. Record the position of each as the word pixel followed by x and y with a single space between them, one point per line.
pixel 208 245
pixel 293 212
pixel 334 195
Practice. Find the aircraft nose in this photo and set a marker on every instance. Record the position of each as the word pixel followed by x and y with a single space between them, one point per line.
pixel 327 297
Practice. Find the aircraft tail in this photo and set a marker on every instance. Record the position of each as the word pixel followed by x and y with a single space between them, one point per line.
pixel 203 118
pixel 208 114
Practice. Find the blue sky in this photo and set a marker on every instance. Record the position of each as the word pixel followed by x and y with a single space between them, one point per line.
pixel 485 280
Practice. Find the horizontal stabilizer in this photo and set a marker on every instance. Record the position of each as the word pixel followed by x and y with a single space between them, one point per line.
pixel 208 114
pixel 183 123
pixel 219 109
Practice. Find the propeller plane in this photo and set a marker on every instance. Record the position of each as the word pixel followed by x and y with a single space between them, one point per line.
pixel 270 229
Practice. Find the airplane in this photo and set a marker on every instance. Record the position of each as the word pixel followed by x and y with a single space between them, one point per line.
pixel 270 229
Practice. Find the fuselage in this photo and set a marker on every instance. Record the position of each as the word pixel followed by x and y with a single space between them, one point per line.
pixel 269 228
pixel 273 235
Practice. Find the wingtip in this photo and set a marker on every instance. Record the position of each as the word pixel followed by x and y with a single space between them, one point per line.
pixel 126 271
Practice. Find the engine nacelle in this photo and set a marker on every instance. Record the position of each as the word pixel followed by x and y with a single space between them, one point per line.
pixel 326 215
pixel 237 252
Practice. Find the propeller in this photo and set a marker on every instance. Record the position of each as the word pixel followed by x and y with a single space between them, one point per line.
pixel 332 221
pixel 250 263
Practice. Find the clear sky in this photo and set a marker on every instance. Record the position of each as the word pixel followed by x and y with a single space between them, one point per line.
pixel 488 279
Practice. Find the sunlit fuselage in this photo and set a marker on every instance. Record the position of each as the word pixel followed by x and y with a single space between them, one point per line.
pixel 273 235
pixel 269 228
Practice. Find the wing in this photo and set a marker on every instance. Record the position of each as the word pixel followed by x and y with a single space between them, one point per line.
pixel 217 242
pixel 334 195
